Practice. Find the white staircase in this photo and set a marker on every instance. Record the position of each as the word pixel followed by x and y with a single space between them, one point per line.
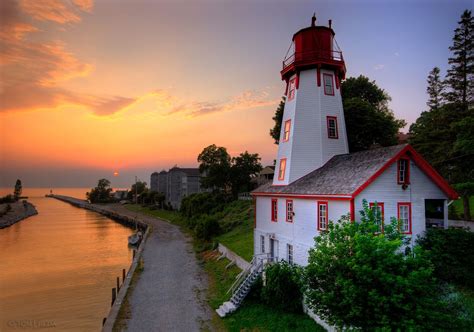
pixel 242 284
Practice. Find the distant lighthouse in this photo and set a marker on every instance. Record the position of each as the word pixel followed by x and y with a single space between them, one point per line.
pixel 313 126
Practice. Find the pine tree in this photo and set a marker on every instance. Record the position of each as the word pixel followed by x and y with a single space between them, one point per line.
pixel 434 89
pixel 460 77
pixel 278 118
pixel 18 189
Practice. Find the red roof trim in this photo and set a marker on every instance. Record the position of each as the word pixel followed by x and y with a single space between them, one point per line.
pixel 422 164
pixel 344 197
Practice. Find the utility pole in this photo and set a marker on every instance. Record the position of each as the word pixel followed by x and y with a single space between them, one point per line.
pixel 136 191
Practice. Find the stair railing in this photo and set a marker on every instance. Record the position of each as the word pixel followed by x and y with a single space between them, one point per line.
pixel 255 264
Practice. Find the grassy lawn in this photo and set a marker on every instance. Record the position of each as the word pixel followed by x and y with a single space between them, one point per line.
pixel 238 219
pixel 459 207
pixel 251 316
pixel 239 240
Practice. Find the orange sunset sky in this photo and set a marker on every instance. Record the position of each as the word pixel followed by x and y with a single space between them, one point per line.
pixel 90 87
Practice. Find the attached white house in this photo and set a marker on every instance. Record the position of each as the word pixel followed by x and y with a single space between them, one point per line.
pixel 317 179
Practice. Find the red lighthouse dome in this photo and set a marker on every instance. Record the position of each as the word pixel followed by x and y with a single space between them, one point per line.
pixel 313 47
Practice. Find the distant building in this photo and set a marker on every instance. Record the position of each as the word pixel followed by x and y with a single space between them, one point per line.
pixel 176 184
pixel 265 175
pixel 181 183
pixel 403 138
pixel 154 181
pixel 163 182
pixel 120 194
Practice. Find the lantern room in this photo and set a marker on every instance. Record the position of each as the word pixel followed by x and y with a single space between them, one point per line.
pixel 313 47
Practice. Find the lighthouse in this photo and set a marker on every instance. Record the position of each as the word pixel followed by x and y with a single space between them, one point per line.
pixel 313 128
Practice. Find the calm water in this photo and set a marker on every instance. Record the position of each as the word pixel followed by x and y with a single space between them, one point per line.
pixel 58 267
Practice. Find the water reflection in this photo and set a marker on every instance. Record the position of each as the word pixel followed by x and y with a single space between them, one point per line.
pixel 60 266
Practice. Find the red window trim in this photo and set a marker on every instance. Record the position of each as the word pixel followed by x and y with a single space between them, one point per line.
pixel 409 215
pixel 328 118
pixel 382 207
pixel 285 139
pixel 332 84
pixel 291 83
pixel 281 175
pixel 319 216
pixel 274 211
pixel 292 209
pixel 407 171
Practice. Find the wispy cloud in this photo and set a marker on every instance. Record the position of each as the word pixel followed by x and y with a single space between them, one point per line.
pixel 247 100
pixel 33 72
pixel 379 67
pixel 57 11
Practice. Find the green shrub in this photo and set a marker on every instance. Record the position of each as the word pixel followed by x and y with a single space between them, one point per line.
pixel 359 277
pixel 206 227
pixel 282 287
pixel 194 205
pixel 452 253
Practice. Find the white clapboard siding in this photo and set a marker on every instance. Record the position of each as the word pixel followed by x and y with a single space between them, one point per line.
pixel 309 147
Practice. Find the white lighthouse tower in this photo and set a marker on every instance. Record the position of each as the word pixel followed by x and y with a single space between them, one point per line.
pixel 313 126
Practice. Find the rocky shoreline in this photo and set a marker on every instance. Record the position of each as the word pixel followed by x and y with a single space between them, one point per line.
pixel 18 212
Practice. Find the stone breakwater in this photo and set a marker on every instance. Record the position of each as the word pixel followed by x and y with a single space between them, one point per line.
pixel 120 218
pixel 19 210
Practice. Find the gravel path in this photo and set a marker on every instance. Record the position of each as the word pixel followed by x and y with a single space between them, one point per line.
pixel 169 295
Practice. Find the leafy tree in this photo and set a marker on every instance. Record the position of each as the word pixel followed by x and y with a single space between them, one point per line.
pixel 452 252
pixel 158 198
pixel 215 164
pixel 278 118
pixel 434 89
pixel 243 168
pixel 460 77
pixel 138 188
pixel 368 119
pixel 18 189
pixel 444 136
pixel 359 277
pixel 101 193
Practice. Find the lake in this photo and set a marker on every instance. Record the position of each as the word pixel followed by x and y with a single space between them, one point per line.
pixel 58 267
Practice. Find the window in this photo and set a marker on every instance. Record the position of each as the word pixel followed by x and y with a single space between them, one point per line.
pixel 281 170
pixel 289 249
pixel 332 127
pixel 404 217
pixel 291 89
pixel 378 210
pixel 262 244
pixel 289 210
pixel 274 210
pixel 328 84
pixel 286 133
pixel 322 216
pixel 403 171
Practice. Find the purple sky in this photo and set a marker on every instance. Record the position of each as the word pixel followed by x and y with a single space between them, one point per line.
pixel 217 59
